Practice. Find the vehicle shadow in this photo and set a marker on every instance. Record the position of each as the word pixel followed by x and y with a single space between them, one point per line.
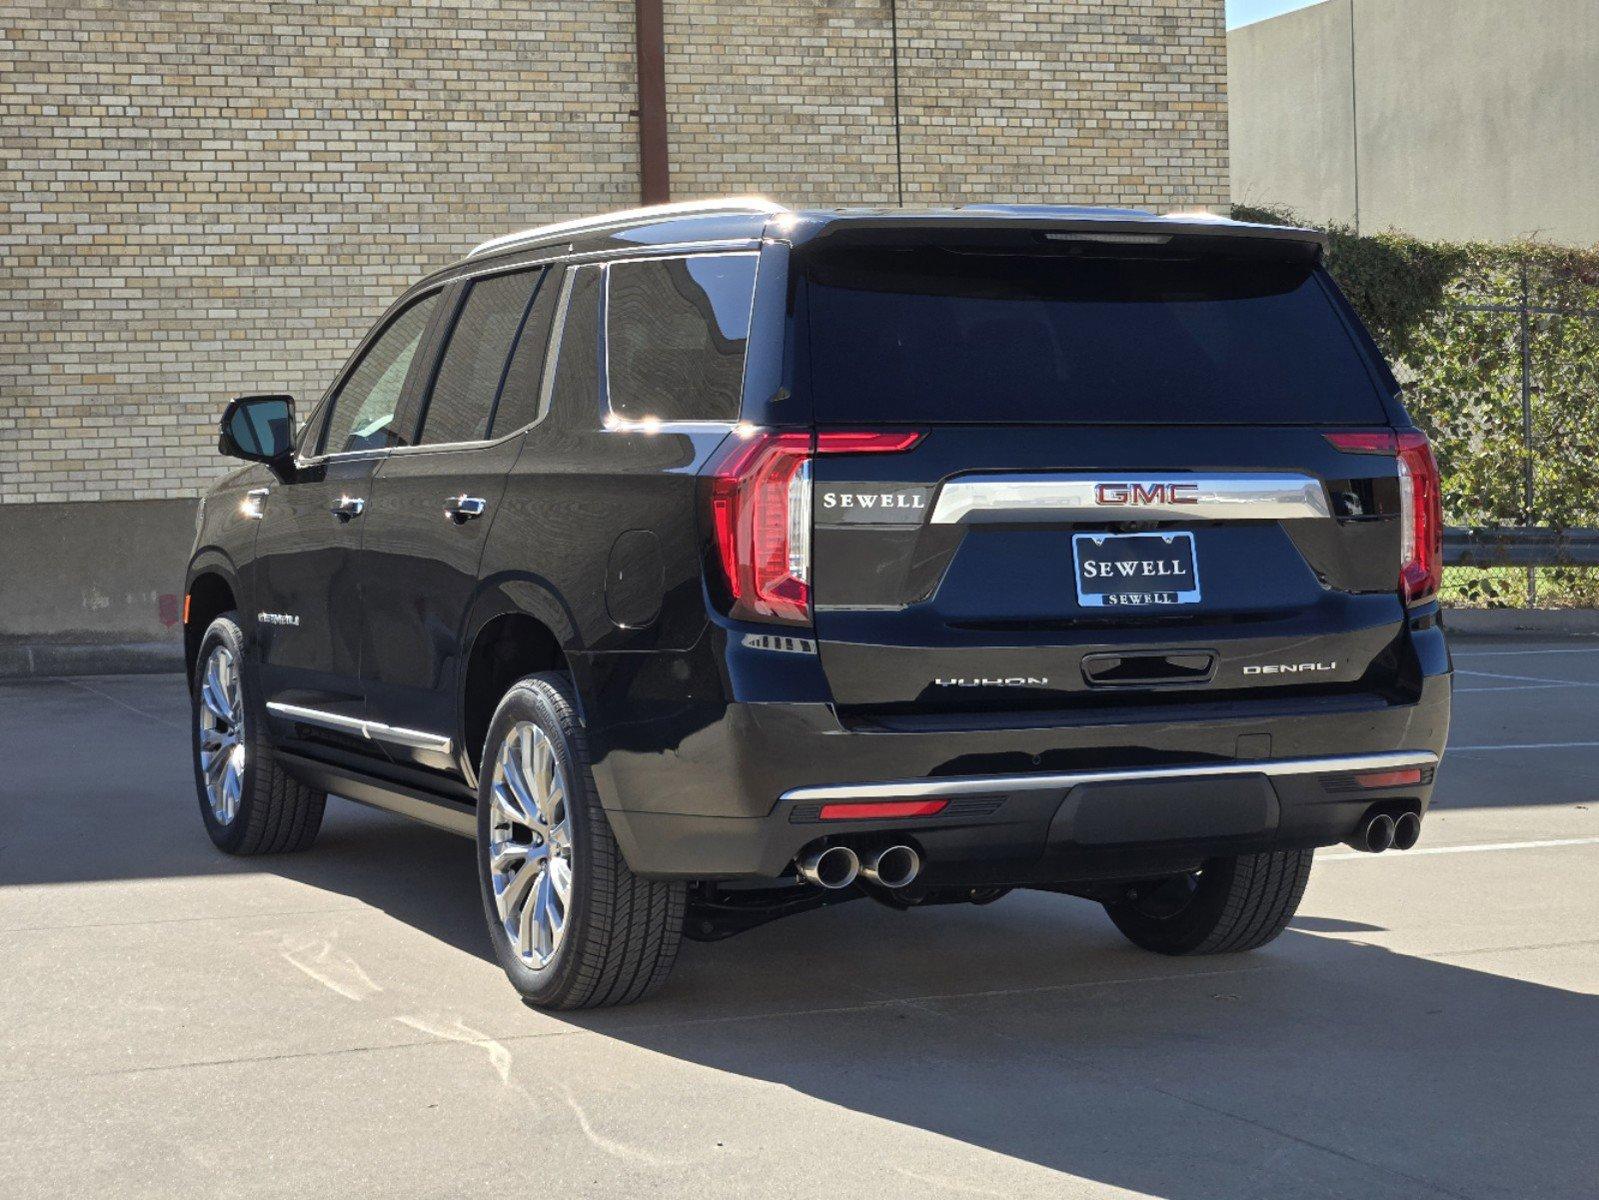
pixel 1324 1065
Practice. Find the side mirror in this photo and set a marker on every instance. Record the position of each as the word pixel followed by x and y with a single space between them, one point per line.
pixel 260 429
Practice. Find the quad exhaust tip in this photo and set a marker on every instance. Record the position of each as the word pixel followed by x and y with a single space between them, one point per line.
pixel 1381 831
pixel 1407 831
pixel 892 867
pixel 830 867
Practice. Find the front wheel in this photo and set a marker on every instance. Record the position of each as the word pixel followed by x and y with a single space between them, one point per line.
pixel 1229 905
pixel 249 803
pixel 572 926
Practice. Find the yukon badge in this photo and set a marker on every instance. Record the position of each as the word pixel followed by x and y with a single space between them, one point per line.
pixel 1008 681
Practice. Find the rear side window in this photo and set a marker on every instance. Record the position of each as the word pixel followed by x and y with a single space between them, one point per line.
pixel 519 397
pixel 571 384
pixel 473 368
pixel 675 335
pixel 937 335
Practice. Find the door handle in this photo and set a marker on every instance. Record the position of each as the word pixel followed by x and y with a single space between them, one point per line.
pixel 346 508
pixel 462 509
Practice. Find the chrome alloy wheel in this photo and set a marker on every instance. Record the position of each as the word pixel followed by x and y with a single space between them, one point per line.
pixel 221 732
pixel 530 844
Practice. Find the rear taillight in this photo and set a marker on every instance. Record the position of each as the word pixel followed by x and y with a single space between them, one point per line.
pixel 1421 518
pixel 760 512
pixel 1421 545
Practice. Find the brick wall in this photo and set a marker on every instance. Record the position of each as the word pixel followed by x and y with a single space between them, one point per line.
pixel 203 199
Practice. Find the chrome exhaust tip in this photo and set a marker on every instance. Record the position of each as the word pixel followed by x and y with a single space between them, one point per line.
pixel 892 867
pixel 1375 834
pixel 830 867
pixel 1407 830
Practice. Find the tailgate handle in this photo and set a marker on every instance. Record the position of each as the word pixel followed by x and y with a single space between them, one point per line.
pixel 1145 668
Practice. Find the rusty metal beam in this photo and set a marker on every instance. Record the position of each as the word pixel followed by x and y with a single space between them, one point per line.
pixel 654 166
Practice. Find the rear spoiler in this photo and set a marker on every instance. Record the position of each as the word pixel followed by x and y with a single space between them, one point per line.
pixel 1004 223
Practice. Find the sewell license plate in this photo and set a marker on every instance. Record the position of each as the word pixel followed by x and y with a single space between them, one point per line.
pixel 1130 570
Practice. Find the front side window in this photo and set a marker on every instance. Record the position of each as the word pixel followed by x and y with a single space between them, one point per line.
pixel 675 335
pixel 364 406
pixel 474 364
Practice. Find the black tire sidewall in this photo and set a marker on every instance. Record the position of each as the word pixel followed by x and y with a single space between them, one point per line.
pixel 225 630
pixel 545 701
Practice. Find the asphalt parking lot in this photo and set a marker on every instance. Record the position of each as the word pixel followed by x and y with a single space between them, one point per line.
pixel 174 1022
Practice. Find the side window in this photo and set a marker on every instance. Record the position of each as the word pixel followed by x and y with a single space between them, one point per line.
pixel 473 367
pixel 519 397
pixel 363 409
pixel 571 382
pixel 675 333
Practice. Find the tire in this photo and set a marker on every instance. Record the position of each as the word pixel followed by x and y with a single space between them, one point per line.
pixel 259 809
pixel 618 934
pixel 1229 906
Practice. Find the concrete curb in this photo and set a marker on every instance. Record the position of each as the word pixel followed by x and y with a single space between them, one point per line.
pixel 1519 622
pixel 42 659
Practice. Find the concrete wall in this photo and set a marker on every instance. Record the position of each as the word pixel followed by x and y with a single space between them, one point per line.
pixel 206 198
pixel 1452 119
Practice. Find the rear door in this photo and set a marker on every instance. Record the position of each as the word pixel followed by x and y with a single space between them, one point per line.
pixel 1124 489
pixel 434 503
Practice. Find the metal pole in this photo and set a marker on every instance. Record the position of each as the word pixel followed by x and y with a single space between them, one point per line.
pixel 654 170
pixel 1527 519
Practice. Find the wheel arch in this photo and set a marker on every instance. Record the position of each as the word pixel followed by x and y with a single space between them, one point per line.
pixel 211 590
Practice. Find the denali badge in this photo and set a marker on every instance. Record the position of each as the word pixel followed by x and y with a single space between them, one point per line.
pixel 1290 668
pixel 1146 493
pixel 277 618
pixel 1011 681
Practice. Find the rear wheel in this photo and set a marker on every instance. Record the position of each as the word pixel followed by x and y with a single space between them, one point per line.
pixel 1227 906
pixel 572 926
pixel 249 803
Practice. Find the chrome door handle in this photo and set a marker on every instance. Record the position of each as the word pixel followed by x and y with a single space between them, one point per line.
pixel 462 509
pixel 347 507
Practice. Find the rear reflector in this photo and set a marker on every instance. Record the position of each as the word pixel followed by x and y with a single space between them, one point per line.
pixel 1389 779
pixel 878 809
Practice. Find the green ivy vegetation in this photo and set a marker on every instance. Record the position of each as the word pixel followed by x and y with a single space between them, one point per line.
pixel 1449 317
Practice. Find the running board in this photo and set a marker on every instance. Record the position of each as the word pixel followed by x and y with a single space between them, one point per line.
pixel 988 785
pixel 453 816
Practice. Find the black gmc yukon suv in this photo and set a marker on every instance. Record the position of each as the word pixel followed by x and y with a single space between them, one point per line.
pixel 712 562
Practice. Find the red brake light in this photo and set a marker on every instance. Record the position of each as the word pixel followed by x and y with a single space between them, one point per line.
pixel 761 516
pixel 1421 517
pixel 1403 777
pixel 1421 552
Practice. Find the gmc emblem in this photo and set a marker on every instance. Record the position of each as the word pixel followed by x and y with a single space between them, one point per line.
pixel 1146 493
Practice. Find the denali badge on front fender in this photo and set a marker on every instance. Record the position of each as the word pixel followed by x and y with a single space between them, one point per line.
pixel 1290 668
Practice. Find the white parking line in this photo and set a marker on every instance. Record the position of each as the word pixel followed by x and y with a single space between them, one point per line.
pixel 1527 678
pixel 1482 848
pixel 1523 746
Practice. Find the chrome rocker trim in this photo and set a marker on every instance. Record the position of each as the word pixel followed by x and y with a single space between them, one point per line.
pixel 417 739
pixel 985 785
pixel 991 499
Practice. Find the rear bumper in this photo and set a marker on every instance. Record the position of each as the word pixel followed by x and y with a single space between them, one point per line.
pixel 1105 796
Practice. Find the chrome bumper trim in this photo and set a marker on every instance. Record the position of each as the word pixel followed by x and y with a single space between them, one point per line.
pixel 417 739
pixel 1243 496
pixel 984 785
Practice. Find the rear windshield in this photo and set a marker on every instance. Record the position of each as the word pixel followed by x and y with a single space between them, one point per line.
pixel 934 335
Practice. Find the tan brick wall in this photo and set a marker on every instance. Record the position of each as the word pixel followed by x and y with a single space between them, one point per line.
pixel 206 198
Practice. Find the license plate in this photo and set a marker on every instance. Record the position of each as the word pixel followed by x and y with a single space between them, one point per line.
pixel 1135 570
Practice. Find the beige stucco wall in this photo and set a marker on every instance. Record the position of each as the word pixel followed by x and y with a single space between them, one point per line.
pixel 1455 119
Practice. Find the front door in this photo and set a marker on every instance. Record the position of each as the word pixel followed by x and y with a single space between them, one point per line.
pixel 433 504
pixel 309 626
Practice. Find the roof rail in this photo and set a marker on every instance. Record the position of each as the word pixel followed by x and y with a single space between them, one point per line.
pixel 632 216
